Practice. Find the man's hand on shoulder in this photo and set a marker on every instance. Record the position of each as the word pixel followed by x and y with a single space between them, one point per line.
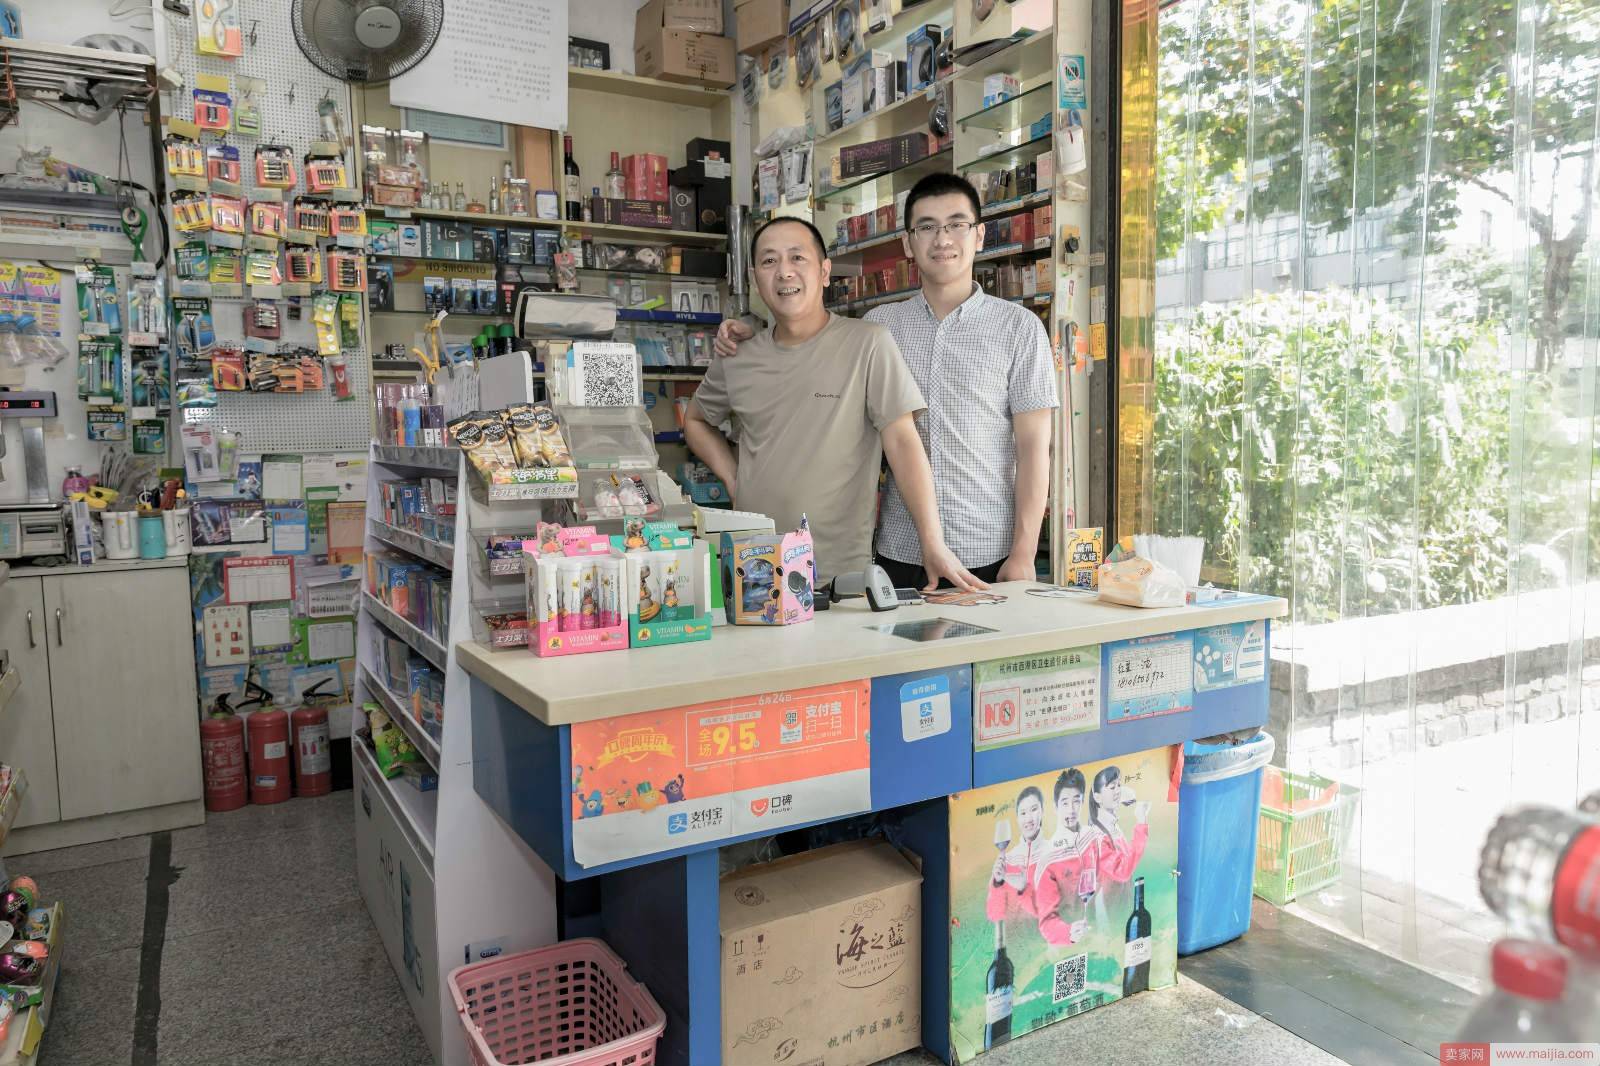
pixel 730 335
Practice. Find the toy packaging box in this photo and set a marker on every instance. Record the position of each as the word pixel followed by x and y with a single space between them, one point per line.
pixel 668 588
pixel 767 578
pixel 575 595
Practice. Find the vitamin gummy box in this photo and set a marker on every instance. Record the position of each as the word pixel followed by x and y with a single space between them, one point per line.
pixel 575 595
pixel 767 578
pixel 668 588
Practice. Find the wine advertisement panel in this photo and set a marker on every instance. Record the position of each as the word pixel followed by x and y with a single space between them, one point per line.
pixel 1064 895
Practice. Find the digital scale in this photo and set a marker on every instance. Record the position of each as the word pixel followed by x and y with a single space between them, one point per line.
pixel 37 527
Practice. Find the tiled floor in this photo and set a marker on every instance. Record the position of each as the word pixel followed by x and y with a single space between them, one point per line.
pixel 265 955
pixel 268 955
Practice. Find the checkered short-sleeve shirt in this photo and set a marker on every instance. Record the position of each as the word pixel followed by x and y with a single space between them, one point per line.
pixel 988 360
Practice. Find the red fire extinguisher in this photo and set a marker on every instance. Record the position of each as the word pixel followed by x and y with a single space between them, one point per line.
pixel 222 757
pixel 269 756
pixel 313 765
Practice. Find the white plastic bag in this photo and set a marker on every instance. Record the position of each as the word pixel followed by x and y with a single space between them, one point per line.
pixel 1138 582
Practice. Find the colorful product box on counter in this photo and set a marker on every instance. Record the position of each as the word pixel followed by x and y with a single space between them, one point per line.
pixel 668 586
pixel 768 579
pixel 575 594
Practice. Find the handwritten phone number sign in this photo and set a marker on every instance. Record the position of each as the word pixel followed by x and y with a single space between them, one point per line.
pixel 1150 676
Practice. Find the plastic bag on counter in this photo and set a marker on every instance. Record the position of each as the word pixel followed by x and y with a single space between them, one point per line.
pixel 1138 582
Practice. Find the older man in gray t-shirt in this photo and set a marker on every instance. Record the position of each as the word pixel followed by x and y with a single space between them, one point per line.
pixel 819 401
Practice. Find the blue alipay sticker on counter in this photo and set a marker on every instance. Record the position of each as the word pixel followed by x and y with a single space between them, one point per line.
pixel 924 708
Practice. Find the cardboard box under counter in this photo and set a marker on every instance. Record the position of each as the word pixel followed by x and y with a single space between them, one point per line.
pixel 822 957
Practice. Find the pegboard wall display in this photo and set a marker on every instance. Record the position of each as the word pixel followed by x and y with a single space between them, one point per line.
pixel 272 93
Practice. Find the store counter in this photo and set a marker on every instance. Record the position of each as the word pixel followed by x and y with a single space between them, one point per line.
pixel 632 769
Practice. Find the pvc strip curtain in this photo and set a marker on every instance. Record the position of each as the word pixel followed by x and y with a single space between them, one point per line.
pixel 1377 324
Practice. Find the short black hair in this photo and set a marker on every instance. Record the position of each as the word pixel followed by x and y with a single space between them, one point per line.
pixel 1070 778
pixel 816 234
pixel 943 185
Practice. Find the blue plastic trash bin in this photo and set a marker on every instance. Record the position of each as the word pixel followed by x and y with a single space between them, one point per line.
pixel 1219 804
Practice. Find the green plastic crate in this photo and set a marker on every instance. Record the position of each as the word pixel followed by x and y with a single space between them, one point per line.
pixel 1305 822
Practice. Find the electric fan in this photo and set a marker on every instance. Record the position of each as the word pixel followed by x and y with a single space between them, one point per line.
pixel 366 40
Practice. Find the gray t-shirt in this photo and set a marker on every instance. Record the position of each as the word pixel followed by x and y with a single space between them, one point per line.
pixel 809 418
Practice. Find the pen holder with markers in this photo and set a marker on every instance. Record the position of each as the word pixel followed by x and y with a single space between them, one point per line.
pixel 669 584
pixel 575 595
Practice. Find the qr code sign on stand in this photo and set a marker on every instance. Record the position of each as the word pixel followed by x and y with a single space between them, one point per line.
pixel 1070 977
pixel 605 374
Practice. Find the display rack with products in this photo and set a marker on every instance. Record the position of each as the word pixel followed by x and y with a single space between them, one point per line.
pixel 412 747
pixel 993 92
pixel 657 249
pixel 282 281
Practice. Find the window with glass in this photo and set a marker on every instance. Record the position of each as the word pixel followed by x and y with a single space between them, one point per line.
pixel 1398 434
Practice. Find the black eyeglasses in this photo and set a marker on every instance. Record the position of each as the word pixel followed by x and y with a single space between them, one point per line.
pixel 926 230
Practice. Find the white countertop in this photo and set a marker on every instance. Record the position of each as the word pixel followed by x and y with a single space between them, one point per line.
pixel 839 645
pixel 104 566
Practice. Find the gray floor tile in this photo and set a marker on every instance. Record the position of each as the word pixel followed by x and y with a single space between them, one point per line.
pixel 91 1017
pixel 253 821
pixel 266 981
pixel 48 862
pixel 104 904
pixel 1341 995
pixel 1188 1023
pixel 263 877
pixel 368 1041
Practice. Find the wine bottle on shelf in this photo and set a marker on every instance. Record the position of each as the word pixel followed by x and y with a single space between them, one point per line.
pixel 505 188
pixel 461 197
pixel 588 208
pixel 574 188
pixel 1136 953
pixel 616 185
pixel 998 993
pixel 494 197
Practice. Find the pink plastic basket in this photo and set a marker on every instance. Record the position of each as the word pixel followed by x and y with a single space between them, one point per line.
pixel 570 1004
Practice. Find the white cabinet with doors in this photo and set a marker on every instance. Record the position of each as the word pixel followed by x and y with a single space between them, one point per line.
pixel 104 722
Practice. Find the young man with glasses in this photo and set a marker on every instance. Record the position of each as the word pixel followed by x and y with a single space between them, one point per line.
pixel 819 401
pixel 985 368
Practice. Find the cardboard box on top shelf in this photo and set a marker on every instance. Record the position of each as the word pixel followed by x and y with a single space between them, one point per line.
pixel 701 16
pixel 679 55
pixel 838 931
pixel 757 24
